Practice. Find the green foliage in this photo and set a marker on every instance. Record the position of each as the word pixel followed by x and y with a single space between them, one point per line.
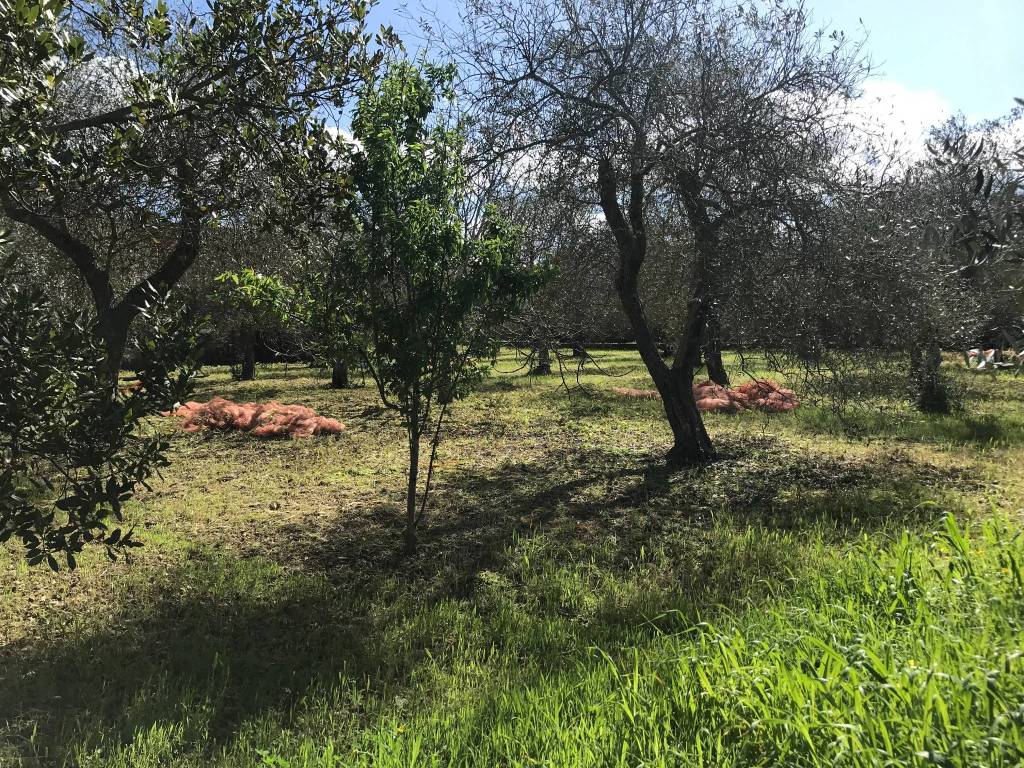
pixel 250 72
pixel 408 288
pixel 71 454
pixel 71 451
pixel 978 214
pixel 168 351
pixel 324 327
pixel 255 304
pixel 420 296
pixel 38 45
pixel 254 298
pixel 128 128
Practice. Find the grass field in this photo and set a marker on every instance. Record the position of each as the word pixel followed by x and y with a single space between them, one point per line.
pixel 809 600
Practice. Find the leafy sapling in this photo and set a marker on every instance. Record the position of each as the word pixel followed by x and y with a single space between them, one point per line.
pixel 412 291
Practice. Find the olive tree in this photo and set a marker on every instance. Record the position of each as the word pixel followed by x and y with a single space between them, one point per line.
pixel 127 129
pixel 577 305
pixel 70 454
pixel 715 109
pixel 975 188
pixel 255 303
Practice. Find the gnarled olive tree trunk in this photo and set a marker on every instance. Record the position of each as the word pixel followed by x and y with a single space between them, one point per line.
pixel 114 316
pixel 339 375
pixel 931 392
pixel 712 349
pixel 691 443
pixel 542 364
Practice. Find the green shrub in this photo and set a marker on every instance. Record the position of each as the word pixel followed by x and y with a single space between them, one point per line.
pixel 71 445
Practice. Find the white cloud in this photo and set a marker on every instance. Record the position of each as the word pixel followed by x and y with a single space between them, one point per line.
pixel 346 136
pixel 893 121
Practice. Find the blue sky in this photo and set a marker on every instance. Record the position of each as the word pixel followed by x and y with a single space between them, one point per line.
pixel 968 52
pixel 933 56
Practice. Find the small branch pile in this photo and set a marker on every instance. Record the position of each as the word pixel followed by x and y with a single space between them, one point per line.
pixel 258 419
pixel 759 394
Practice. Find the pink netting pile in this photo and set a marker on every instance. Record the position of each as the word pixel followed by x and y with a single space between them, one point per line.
pixel 715 398
pixel 761 395
pixel 258 419
pixel 766 395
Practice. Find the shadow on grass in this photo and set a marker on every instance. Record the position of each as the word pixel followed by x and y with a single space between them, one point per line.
pixel 225 637
pixel 583 498
pixel 974 429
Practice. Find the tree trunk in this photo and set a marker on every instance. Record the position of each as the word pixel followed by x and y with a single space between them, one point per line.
pixel 410 494
pixel 247 342
pixel 716 369
pixel 114 317
pixel 712 351
pixel 691 444
pixel 339 375
pixel 112 330
pixel 932 395
pixel 543 365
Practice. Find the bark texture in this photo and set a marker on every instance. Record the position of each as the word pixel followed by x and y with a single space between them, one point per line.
pixel 339 375
pixel 691 444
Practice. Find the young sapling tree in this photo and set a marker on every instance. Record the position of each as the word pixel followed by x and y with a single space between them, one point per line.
pixel 411 291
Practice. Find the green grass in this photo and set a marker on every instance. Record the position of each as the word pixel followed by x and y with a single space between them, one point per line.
pixel 806 601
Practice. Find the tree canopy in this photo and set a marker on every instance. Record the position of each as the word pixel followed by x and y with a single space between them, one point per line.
pixel 128 129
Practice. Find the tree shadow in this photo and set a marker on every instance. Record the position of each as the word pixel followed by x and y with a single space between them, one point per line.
pixel 969 427
pixel 233 635
pixel 225 636
pixel 581 497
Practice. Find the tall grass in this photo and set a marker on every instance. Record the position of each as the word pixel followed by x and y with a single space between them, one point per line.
pixel 574 604
pixel 906 653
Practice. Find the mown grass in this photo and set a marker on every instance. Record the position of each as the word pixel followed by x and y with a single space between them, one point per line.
pixel 808 600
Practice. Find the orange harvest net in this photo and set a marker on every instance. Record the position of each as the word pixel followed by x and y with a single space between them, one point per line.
pixel 766 395
pixel 760 394
pixel 258 419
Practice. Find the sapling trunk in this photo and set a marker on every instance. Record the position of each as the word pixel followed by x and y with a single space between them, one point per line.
pixel 410 495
